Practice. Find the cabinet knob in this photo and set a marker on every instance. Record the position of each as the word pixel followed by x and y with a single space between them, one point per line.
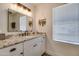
pixel 21 53
pixel 13 49
pixel 35 45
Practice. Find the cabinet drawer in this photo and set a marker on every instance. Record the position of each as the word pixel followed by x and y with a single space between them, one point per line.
pixel 14 50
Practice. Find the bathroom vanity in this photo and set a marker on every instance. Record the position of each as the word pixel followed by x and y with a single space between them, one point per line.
pixel 23 46
pixel 18 41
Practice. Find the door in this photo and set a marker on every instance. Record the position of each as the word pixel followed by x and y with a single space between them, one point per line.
pixel 33 47
pixel 15 50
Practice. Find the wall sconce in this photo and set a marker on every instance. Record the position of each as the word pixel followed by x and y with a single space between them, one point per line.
pixel 13 25
pixel 42 22
pixel 30 23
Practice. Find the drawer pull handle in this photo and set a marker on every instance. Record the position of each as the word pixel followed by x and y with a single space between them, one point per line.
pixel 13 49
pixel 35 45
pixel 21 53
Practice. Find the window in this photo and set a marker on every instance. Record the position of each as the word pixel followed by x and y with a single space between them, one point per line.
pixel 23 23
pixel 66 23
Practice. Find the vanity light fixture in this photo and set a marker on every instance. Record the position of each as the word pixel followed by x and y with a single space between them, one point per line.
pixel 24 7
pixel 21 9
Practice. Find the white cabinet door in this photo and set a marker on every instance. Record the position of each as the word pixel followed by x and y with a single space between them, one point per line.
pixel 43 45
pixel 15 50
pixel 34 47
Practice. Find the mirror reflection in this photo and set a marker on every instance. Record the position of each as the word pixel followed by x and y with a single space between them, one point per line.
pixel 18 22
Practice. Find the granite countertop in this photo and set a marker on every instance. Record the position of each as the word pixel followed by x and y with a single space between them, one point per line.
pixel 15 40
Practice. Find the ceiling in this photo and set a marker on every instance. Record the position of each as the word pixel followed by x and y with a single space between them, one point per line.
pixel 37 4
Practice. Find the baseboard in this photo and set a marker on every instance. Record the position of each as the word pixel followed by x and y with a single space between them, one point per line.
pixel 49 52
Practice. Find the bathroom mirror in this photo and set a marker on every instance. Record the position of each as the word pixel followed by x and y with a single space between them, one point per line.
pixel 18 22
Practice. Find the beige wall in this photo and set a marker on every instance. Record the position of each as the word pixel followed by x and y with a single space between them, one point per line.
pixel 3 18
pixel 53 48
